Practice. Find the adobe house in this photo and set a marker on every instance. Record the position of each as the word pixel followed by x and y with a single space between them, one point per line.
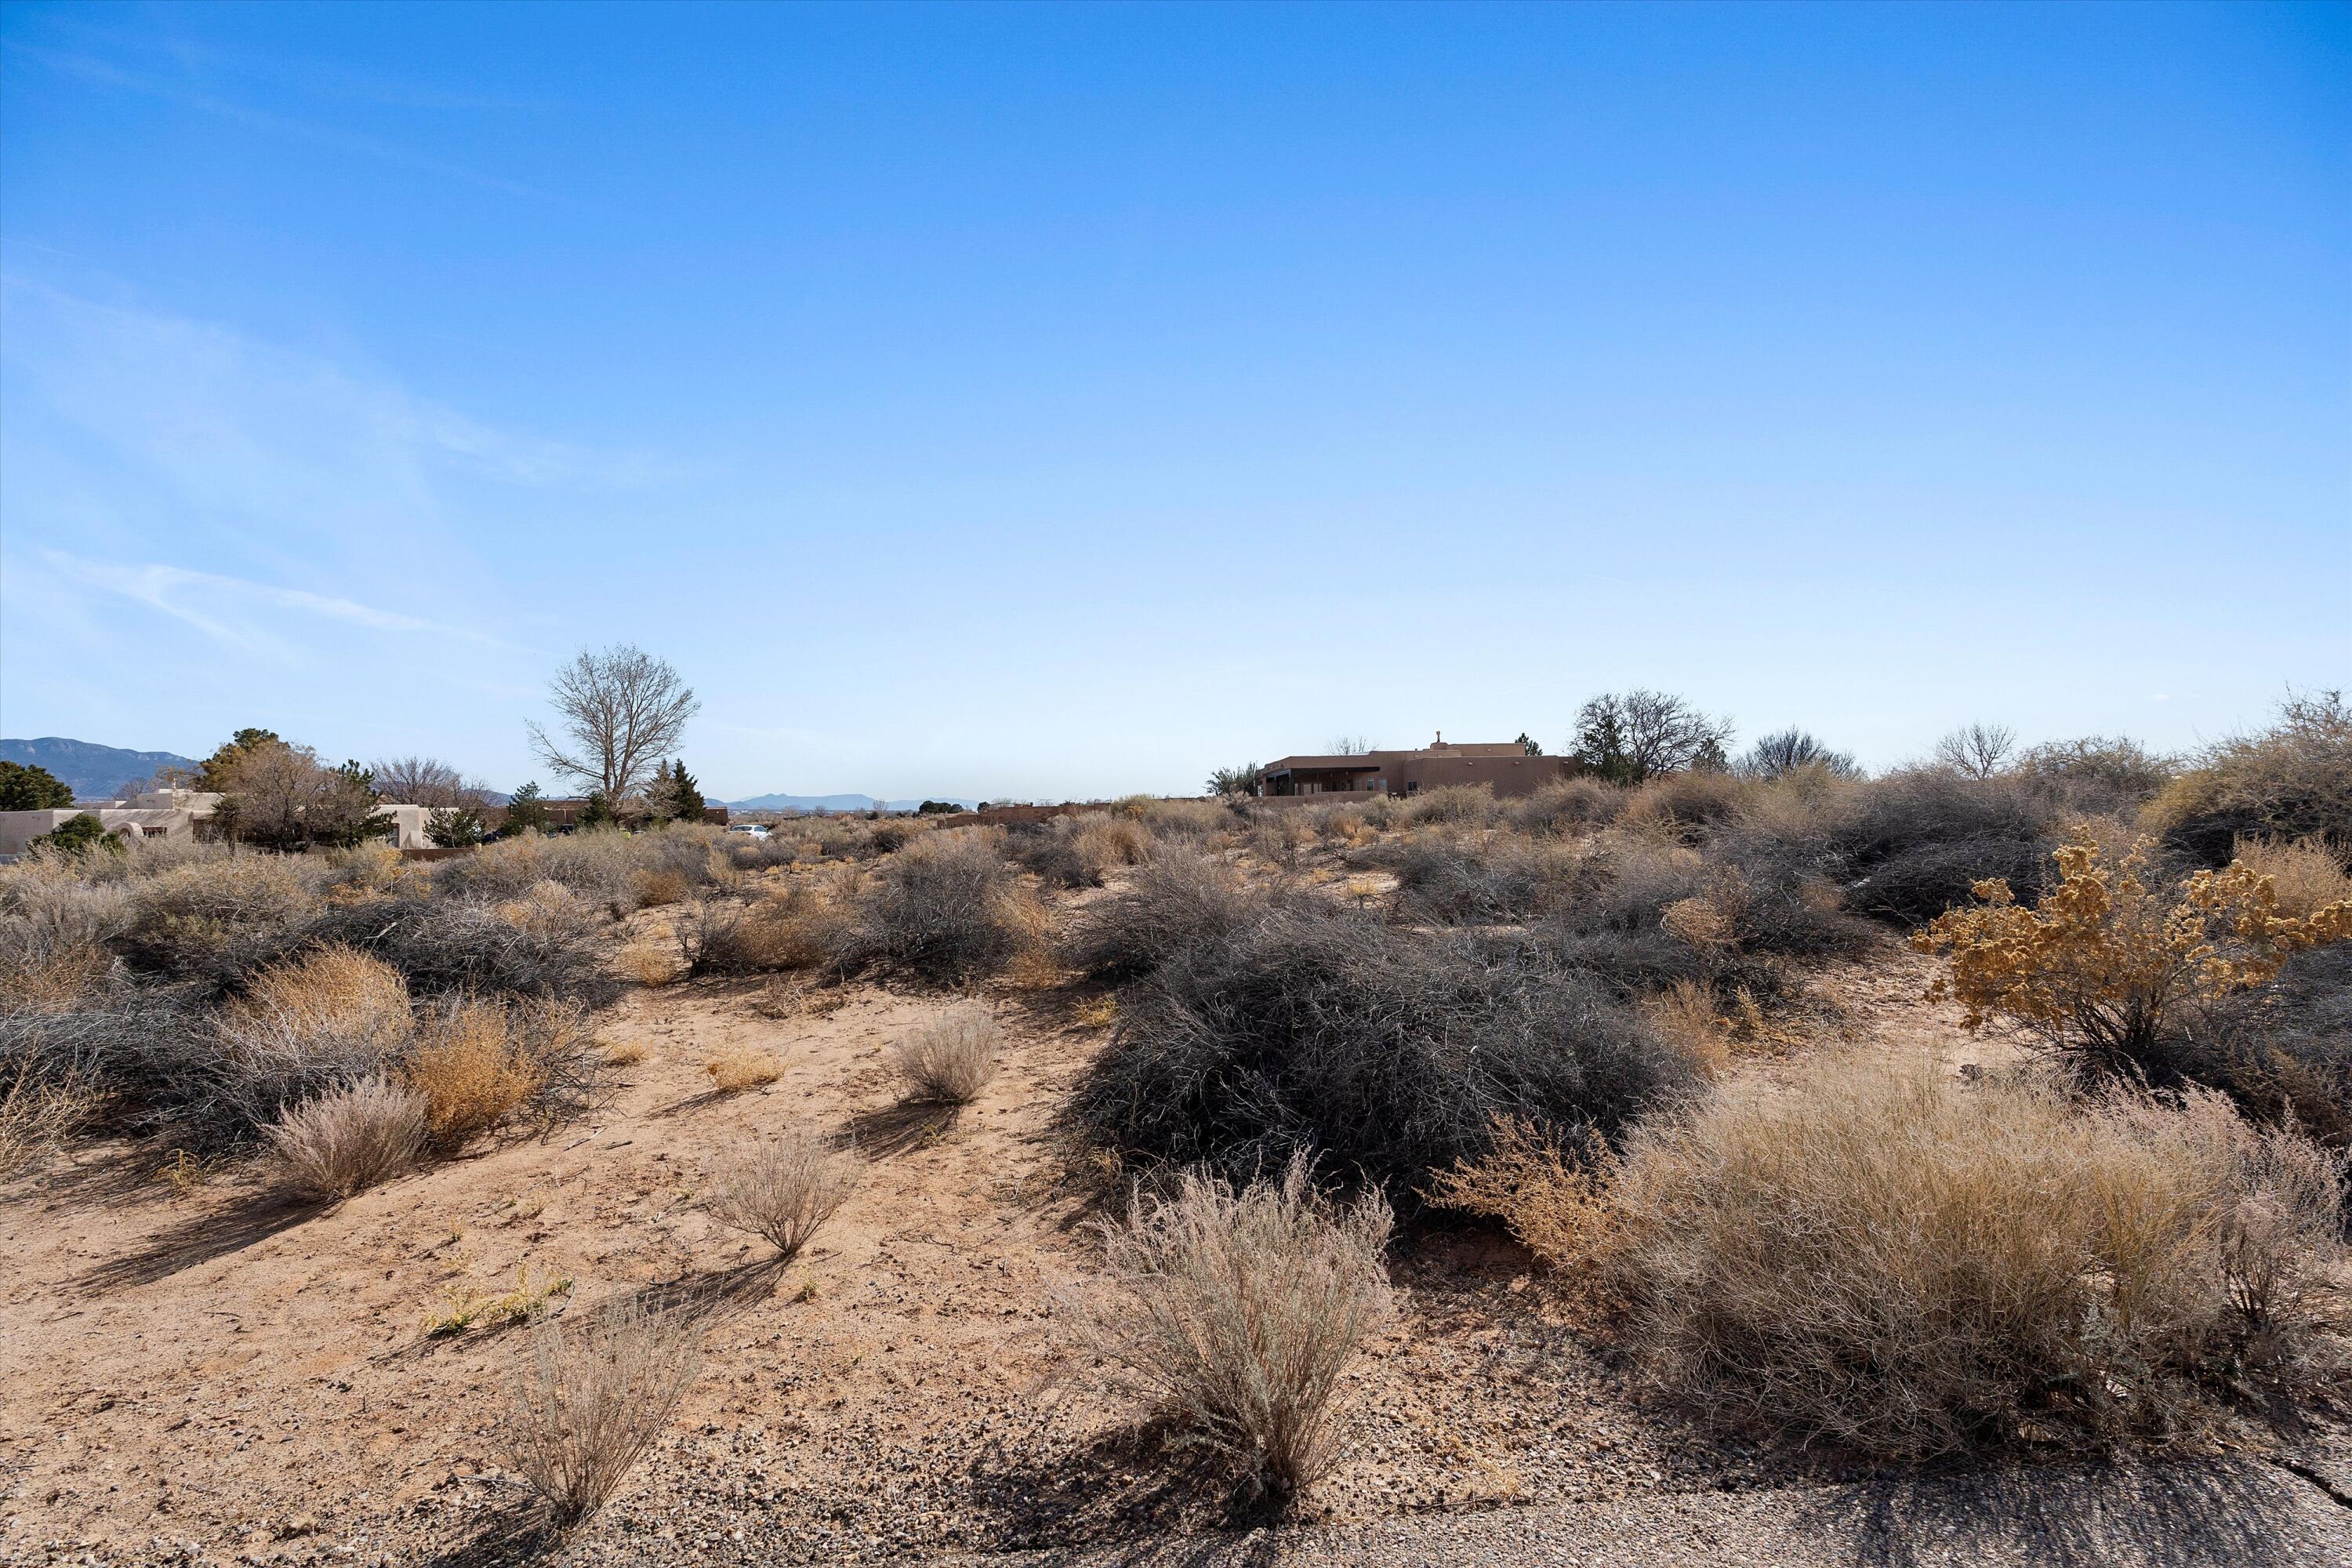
pixel 1503 766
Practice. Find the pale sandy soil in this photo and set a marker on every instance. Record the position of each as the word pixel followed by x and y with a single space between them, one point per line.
pixel 206 1377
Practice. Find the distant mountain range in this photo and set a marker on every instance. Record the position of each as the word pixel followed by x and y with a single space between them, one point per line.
pixel 836 803
pixel 93 772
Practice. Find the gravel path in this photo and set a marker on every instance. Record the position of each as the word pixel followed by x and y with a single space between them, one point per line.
pixel 2218 1515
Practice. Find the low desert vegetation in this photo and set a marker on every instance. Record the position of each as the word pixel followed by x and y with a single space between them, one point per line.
pixel 591 1400
pixel 948 1059
pixel 2106 969
pixel 782 1190
pixel 340 1143
pixel 734 1068
pixel 1909 1266
pixel 1605 1014
pixel 1324 1029
pixel 1235 1309
pixel 2291 781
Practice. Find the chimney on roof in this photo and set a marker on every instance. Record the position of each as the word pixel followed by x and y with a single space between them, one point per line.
pixel 1439 742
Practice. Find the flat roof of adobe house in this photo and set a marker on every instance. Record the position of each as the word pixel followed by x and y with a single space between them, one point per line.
pixel 1380 756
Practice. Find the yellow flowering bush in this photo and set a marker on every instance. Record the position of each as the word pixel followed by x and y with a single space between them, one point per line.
pixel 2103 963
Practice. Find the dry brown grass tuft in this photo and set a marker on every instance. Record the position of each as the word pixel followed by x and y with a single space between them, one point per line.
pixel 735 1067
pixel 628 1054
pixel 1690 1013
pixel 659 885
pixel 2305 874
pixel 469 1073
pixel 591 1400
pixel 1554 1198
pixel 348 1139
pixel 38 1113
pixel 648 965
pixel 784 1190
pixel 1909 1266
pixel 949 1059
pixel 1237 1309
pixel 321 1021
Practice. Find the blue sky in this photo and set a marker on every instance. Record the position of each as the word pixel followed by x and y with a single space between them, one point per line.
pixel 1060 401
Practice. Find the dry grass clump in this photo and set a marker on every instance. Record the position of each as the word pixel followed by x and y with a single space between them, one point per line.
pixel 1568 806
pixel 648 964
pixel 1178 900
pixel 1464 805
pixel 949 1058
pixel 2291 780
pixel 326 1019
pixel 469 1073
pixel 216 917
pixel 55 928
pixel 1463 880
pixel 1389 1051
pixel 736 1067
pixel 784 1190
pixel 1683 805
pixel 346 1141
pixel 39 1111
pixel 657 885
pixel 1277 836
pixel 1236 1309
pixel 590 1400
pixel 2305 875
pixel 1909 1266
pixel 948 908
pixel 1080 851
pixel 808 925
pixel 1186 819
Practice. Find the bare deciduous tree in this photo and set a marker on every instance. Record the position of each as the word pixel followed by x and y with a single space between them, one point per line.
pixel 283 796
pixel 1978 750
pixel 621 710
pixel 1639 734
pixel 1787 750
pixel 423 781
pixel 1349 746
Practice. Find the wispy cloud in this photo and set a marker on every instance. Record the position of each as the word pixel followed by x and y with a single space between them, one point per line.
pixel 100 72
pixel 247 615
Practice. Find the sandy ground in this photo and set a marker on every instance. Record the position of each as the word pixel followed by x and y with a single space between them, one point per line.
pixel 202 1377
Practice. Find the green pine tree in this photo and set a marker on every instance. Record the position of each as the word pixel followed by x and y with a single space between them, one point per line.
pixel 527 810
pixel 686 800
pixel 32 788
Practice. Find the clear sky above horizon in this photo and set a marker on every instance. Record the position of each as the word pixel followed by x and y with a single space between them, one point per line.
pixel 1062 401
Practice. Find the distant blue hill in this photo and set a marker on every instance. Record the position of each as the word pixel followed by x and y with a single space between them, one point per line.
pixel 91 771
pixel 836 803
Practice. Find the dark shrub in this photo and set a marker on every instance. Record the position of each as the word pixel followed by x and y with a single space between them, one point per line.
pixel 1462 882
pixel 1569 806
pixel 2291 780
pixel 1914 843
pixel 1389 1053
pixel 946 908
pixel 2098 775
pixel 219 918
pixel 1179 899
pixel 441 945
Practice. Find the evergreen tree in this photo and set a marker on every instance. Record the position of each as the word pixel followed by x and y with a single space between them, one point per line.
pixel 597 812
pixel 215 770
pixel 33 788
pixel 686 800
pixel 76 835
pixel 527 810
pixel 455 828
